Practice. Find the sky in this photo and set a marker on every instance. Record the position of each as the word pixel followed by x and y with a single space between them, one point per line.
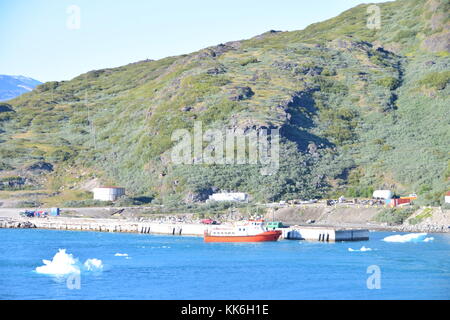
pixel 54 40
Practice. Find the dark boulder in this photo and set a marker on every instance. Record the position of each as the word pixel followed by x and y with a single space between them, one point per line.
pixel 216 71
pixel 5 108
pixel 40 166
pixel 241 93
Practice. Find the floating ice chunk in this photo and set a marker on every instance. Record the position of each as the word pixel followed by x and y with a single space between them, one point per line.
pixel 121 255
pixel 62 264
pixel 93 265
pixel 410 237
pixel 363 249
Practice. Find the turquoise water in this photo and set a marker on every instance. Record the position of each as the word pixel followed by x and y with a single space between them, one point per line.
pixel 167 267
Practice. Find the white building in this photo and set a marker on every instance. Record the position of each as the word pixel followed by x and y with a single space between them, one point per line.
pixel 229 196
pixel 108 193
pixel 382 194
pixel 447 197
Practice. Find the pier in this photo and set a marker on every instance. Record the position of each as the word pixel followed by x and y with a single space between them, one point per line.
pixel 309 233
pixel 324 234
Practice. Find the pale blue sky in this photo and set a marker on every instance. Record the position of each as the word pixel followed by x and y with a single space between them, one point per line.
pixel 36 42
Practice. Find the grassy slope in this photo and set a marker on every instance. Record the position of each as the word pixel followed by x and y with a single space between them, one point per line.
pixel 376 121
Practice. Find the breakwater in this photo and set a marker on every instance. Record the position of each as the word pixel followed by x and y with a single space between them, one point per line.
pixel 323 234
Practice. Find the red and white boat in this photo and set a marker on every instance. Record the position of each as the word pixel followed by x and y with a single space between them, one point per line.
pixel 248 231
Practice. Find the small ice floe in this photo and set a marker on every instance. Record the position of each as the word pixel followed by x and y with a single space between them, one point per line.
pixel 363 249
pixel 93 265
pixel 64 264
pixel 410 237
pixel 121 255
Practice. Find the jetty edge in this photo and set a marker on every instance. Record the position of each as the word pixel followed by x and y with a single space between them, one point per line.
pixel 310 233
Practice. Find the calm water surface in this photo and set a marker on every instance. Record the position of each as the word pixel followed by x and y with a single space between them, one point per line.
pixel 167 267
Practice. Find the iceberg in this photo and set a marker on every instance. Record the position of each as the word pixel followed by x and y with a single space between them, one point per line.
pixel 410 237
pixel 64 264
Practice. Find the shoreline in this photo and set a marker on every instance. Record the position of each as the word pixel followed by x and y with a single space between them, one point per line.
pixel 133 220
pixel 176 228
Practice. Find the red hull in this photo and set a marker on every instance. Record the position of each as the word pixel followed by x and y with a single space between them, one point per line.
pixel 262 237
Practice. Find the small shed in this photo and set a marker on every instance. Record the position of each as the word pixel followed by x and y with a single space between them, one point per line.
pixel 447 197
pixel 108 193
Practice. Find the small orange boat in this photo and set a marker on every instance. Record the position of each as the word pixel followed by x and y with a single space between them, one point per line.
pixel 249 231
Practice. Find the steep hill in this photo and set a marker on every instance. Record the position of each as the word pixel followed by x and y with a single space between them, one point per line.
pixel 358 108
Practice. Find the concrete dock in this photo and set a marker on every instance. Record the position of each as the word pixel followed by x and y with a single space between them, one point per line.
pixel 324 234
pixel 309 233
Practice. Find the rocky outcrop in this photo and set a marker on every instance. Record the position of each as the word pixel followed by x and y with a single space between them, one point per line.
pixel 200 196
pixel 267 34
pixel 40 167
pixel 5 108
pixel 12 183
pixel 241 93
pixel 216 51
pixel 437 42
pixel 216 71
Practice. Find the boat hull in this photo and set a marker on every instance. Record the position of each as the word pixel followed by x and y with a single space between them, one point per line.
pixel 262 237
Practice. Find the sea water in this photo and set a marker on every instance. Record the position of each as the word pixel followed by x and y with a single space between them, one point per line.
pixel 46 264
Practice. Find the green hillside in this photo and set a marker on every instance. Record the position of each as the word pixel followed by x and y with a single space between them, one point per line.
pixel 358 109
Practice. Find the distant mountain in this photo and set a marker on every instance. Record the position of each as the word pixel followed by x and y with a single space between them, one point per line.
pixel 14 86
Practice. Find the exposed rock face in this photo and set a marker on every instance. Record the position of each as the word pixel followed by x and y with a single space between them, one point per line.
pixel 284 65
pixel 216 71
pixel 266 34
pixel 5 108
pixel 201 195
pixel 241 93
pixel 215 51
pixel 349 44
pixel 437 42
pixel 234 44
pixel 12 183
pixel 40 166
